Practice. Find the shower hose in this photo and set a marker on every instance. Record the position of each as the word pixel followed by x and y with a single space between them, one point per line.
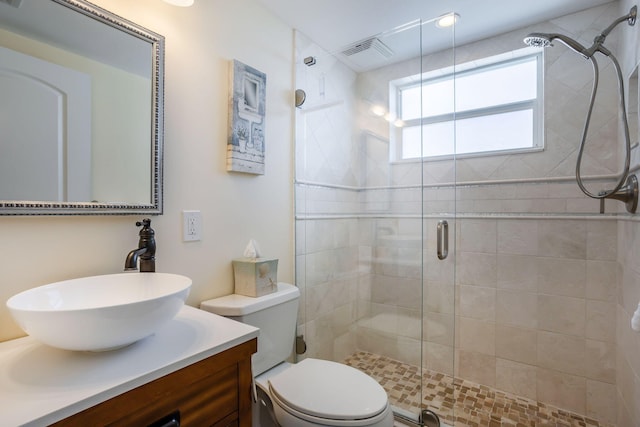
pixel 623 108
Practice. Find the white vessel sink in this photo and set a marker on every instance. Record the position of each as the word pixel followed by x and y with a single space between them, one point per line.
pixel 101 312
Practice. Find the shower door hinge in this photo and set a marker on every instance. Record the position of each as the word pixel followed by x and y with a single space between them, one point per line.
pixel 429 418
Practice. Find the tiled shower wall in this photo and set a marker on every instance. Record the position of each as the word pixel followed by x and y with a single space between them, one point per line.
pixel 536 310
pixel 628 342
pixel 532 306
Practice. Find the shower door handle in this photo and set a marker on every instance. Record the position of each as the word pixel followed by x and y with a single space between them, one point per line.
pixel 443 239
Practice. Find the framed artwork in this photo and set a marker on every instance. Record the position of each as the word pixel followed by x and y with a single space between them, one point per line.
pixel 245 142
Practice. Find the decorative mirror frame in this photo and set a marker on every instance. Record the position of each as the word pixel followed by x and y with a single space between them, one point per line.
pixel 157 130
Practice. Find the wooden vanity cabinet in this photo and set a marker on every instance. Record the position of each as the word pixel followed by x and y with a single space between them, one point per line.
pixel 213 392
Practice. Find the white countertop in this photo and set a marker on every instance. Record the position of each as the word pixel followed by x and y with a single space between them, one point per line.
pixel 40 385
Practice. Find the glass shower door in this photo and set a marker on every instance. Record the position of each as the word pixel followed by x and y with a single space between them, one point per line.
pixel 440 231
pixel 375 295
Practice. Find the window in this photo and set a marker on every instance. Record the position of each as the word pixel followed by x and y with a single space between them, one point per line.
pixel 497 107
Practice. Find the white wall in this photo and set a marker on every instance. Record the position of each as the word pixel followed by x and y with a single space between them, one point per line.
pixel 199 43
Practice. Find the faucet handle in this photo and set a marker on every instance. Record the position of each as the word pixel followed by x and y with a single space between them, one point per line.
pixel 146 222
pixel 146 231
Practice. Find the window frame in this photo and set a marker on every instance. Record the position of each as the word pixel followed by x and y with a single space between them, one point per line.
pixel 497 61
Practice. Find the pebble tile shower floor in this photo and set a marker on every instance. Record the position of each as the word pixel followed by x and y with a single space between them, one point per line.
pixel 458 402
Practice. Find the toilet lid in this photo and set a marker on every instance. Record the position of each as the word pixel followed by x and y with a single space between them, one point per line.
pixel 329 390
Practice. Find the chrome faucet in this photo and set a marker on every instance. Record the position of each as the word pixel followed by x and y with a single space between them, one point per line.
pixel 146 250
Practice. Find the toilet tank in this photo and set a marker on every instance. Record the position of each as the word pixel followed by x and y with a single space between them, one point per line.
pixel 275 314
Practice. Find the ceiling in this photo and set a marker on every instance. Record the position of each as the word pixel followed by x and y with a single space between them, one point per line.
pixel 338 24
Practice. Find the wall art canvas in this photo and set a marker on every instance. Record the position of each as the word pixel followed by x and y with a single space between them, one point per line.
pixel 245 145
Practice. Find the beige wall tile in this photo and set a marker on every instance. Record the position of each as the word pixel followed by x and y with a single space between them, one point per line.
pixel 439 272
pixel 384 344
pixel 562 353
pixel 562 390
pixel 439 328
pixel 564 315
pixel 517 344
pixel 477 335
pixel 601 401
pixel 600 361
pixel 518 272
pixel 438 357
pixel 517 308
pixel 602 240
pixel 478 269
pixel 562 238
pixel 478 236
pixel 517 378
pixel 477 367
pixel 409 323
pixel 439 297
pixel 601 281
pixel 558 276
pixel 400 291
pixel 344 345
pixel 518 237
pixel 478 303
pixel 601 321
pixel 409 350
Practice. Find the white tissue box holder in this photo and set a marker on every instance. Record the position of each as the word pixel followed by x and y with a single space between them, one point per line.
pixel 255 277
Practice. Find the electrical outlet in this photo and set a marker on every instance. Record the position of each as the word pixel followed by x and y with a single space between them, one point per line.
pixel 191 226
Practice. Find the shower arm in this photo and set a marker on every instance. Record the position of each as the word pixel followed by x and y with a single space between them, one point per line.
pixel 621 182
pixel 599 39
pixel 630 18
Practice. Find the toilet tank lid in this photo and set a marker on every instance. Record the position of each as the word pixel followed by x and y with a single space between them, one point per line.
pixel 241 305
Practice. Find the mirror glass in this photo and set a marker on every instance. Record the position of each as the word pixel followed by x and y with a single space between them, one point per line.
pixel 80 112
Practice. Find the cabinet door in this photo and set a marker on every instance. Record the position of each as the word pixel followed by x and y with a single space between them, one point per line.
pixel 213 392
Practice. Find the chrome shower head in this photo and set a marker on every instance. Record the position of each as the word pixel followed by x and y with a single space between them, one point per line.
pixel 537 40
pixel 545 39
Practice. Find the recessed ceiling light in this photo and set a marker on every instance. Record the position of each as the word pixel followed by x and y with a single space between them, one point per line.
pixel 378 110
pixel 447 20
pixel 182 3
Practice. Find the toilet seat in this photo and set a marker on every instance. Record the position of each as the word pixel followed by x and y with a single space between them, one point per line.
pixel 328 393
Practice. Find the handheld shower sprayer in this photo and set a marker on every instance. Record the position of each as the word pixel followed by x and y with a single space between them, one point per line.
pixel 626 190
pixel 545 39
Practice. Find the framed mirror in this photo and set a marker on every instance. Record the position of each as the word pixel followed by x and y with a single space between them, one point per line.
pixel 81 111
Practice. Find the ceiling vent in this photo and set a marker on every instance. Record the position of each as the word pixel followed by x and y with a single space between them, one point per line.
pixel 367 54
pixel 368 46
pixel 14 3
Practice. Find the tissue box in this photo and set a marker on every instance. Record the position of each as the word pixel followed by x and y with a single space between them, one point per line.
pixel 255 277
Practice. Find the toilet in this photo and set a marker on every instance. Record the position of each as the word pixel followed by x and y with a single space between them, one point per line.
pixel 312 392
